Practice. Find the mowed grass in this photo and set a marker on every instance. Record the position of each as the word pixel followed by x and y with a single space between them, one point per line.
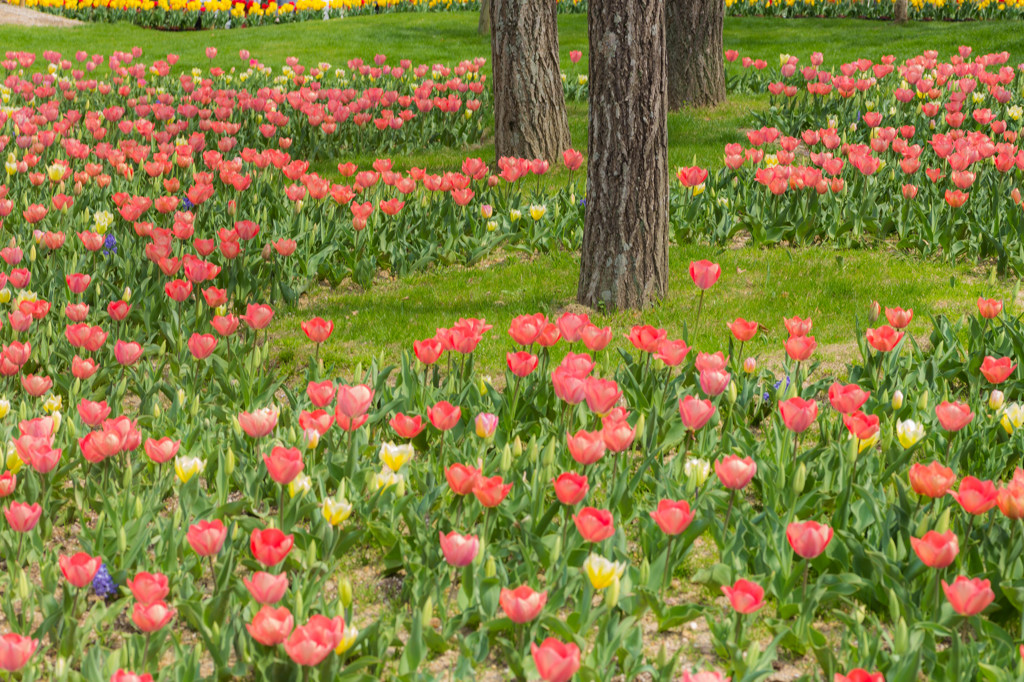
pixel 835 288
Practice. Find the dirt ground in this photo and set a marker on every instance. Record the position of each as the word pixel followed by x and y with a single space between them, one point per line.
pixel 22 16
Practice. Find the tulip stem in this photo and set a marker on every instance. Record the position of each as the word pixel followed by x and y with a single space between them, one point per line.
pixel 21 538
pixel 145 649
pixel 700 305
pixel 936 603
pixel 807 573
pixel 280 507
pixel 728 511
pixel 666 579
pixel 213 572
pixel 738 630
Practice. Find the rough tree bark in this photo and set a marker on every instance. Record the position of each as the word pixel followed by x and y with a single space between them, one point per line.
pixel 484 27
pixel 624 257
pixel 529 102
pixel 899 11
pixel 696 66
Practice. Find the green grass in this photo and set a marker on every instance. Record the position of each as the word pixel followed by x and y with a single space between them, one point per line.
pixel 835 288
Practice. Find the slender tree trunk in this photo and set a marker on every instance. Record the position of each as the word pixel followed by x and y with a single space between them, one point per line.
pixel 899 12
pixel 624 257
pixel 529 102
pixel 696 64
pixel 484 27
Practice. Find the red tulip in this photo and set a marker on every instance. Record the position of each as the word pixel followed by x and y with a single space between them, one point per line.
pixel 526 329
pixel 353 401
pixel 490 491
pixel 8 482
pixel 594 525
pixel 571 488
pixel 320 394
pixel 800 348
pixel 883 339
pixel 428 350
pixel 258 423
pixel 744 596
pixel 798 414
pixel 283 464
pixel 735 473
pixel 444 415
pixel 586 447
pixel 968 596
pixel 202 345
pixel 932 480
pixel 207 537
pixel 258 316
pixel 898 317
pixel 595 338
pixel 808 538
pixel 521 363
pixel 1010 499
pixel 568 385
pixel 989 307
pixel 522 604
pixel 570 326
pixel 936 550
pixel 318 329
pixel 997 371
pixel 713 382
pixel 695 413
pixel 23 517
pixel 459 550
pixel 672 352
pixel 405 426
pixel 704 273
pixel 310 644
pixel 797 326
pixel 148 588
pixel 742 329
pixel 15 650
pixel 461 478
pixel 861 426
pixel 80 569
pixel 270 546
pixel 618 435
pixel 271 626
pixel 858 675
pixel 672 516
pixel 646 338
pixel 555 660
pixel 953 416
pixel 601 394
pixel 266 588
pixel 847 399
pixel 975 496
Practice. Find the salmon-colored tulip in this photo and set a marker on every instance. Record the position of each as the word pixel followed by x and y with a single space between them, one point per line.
pixel 808 538
pixel 461 478
pixel 800 348
pixel 284 464
pixel 744 596
pixel 695 413
pixel 936 550
pixel 847 399
pixel 270 546
pixel 459 550
pixel 271 626
pixel 586 447
pixel 444 415
pixel 976 496
pixel 571 488
pixel 932 480
pixel 672 516
pixel 861 426
pixel 989 307
pixel 997 370
pixel 15 650
pixel 148 588
pixel 80 569
pixel 522 604
pixel 704 273
pixel 953 416
pixel 490 491
pixel 798 414
pixel 742 329
pixel 207 537
pixel 968 596
pixel 734 472
pixel 266 588
pixel 555 660
pixel 594 525
pixel 23 517
pixel 883 339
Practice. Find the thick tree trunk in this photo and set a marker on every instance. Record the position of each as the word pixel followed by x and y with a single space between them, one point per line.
pixel 529 102
pixel 624 257
pixel 484 27
pixel 899 12
pixel 696 63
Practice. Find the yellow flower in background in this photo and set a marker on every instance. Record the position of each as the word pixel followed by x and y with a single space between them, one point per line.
pixel 863 445
pixel 537 211
pixel 186 467
pixel 1013 417
pixel 13 462
pixel 53 404
pixel 395 456
pixel 348 638
pixel 336 510
pixel 601 571
pixel 300 485
pixel 5 407
pixel 909 432
pixel 388 479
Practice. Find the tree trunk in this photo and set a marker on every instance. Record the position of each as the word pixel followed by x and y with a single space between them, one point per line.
pixel 696 63
pixel 899 12
pixel 624 257
pixel 484 27
pixel 529 102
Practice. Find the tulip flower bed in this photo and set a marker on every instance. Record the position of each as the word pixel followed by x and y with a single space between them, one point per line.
pixel 311 111
pixel 172 505
pixel 226 14
pixel 921 154
pixel 918 10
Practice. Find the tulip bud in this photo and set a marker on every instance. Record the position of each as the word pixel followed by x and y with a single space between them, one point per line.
pixel 922 526
pixel 548 459
pixel 23 587
pixel 611 597
pixel 298 604
pixel 731 394
pixel 506 458
pixel 874 312
pixel 750 365
pixel 897 400
pixel 556 550
pixel 490 568
pixel 922 402
pixel 517 449
pixel 901 638
pixel 891 554
pixel 60 668
pixel 640 424
pixel 32 254
pixel 400 487
pixel 943 525
pixel 662 659
pixel 195 405
pixel 156 410
pixel 858 613
pixel 177 517
pixel 345 592
pixel 995 400
pixel 138 507
pixel 427 614
pixel 229 462
pixel 645 571
pixel 127 295
pixel 799 479
pixel 236 427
